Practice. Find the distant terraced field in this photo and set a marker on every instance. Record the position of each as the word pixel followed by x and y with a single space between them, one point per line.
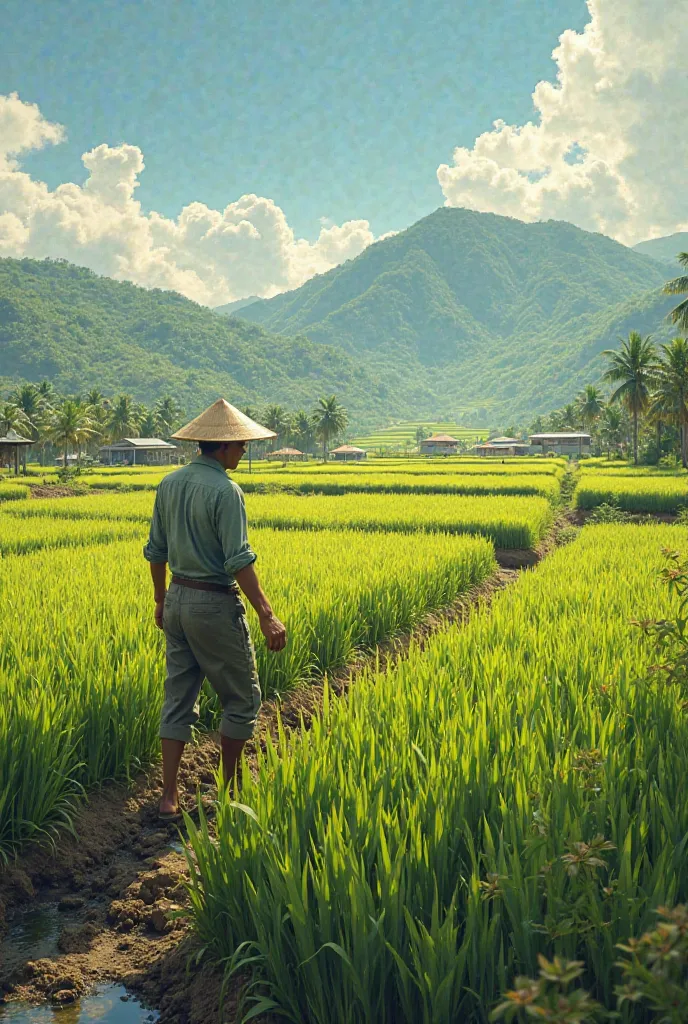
pixel 400 434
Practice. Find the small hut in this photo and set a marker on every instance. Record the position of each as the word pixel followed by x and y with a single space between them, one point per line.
pixel 348 453
pixel 13 448
pixel 287 455
pixel 502 446
pixel 139 451
pixel 439 444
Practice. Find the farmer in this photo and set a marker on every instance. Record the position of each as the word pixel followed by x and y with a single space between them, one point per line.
pixel 199 529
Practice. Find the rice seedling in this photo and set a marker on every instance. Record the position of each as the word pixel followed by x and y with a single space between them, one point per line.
pixel 20 536
pixel 513 522
pixel 82 666
pixel 13 492
pixel 514 789
pixel 398 483
pixel 641 494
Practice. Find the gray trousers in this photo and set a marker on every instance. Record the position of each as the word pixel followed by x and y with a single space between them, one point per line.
pixel 207 637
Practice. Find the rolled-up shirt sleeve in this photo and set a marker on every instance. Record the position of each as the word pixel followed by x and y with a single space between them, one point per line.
pixel 233 531
pixel 156 548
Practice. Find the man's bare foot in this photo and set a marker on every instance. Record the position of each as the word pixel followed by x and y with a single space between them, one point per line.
pixel 169 804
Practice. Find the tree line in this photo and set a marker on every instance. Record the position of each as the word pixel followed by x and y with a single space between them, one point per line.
pixel 649 397
pixel 85 422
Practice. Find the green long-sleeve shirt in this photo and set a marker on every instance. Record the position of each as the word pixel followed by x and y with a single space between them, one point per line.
pixel 199 524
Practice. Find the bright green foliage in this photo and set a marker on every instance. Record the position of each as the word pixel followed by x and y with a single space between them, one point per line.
pixel 84 706
pixel 20 536
pixel 400 483
pixel 13 492
pixel 513 789
pixel 516 521
pixel 649 493
pixel 402 434
pixel 408 467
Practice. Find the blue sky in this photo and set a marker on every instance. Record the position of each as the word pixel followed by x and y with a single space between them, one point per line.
pixel 334 109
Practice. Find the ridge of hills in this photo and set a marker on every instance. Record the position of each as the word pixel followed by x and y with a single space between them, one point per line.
pixel 665 249
pixel 65 323
pixel 464 316
pixel 498 317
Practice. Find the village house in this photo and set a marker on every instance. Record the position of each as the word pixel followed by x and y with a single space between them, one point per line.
pixel 567 442
pixel 439 444
pixel 348 453
pixel 139 451
pixel 13 448
pixel 287 455
pixel 502 446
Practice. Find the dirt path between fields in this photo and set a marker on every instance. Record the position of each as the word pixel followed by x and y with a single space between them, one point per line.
pixel 109 897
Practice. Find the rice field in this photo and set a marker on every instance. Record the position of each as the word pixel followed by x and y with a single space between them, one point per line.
pixel 410 854
pixel 515 522
pixel 401 434
pixel 399 483
pixel 641 493
pixel 83 705
pixel 420 845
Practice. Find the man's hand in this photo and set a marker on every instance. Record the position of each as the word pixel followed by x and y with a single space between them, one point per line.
pixel 159 607
pixel 274 631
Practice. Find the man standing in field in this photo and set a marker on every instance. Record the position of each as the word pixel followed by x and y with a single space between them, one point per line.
pixel 199 529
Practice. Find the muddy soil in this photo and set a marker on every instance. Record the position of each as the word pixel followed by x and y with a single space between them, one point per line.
pixel 112 897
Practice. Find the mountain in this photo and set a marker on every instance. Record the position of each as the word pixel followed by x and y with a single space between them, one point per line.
pixel 65 323
pixel 464 316
pixel 230 308
pixel 497 317
pixel 665 249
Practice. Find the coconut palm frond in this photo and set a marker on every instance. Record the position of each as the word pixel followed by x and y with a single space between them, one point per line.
pixel 676 287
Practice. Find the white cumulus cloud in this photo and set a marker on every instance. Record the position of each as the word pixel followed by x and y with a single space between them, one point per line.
pixel 608 148
pixel 212 256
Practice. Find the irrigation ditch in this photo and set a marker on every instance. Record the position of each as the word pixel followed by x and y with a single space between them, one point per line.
pixel 92 926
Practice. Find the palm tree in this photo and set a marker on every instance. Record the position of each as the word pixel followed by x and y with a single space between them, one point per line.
pixel 612 428
pixel 148 423
pixel 679 286
pixel 590 403
pixel 71 425
pixel 168 415
pixel 632 369
pixel 331 419
pixel 123 421
pixel 670 399
pixel 12 416
pixel 304 429
pixel 276 418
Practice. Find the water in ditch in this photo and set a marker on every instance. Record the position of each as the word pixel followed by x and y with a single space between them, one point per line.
pixel 110 1004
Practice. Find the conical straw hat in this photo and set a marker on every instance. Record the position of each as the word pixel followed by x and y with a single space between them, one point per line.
pixel 222 422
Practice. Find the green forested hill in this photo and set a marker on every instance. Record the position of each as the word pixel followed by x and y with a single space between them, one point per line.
pixel 65 323
pixel 665 249
pixel 464 316
pixel 494 314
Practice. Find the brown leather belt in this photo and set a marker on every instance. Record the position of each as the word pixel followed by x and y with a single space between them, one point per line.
pixel 216 588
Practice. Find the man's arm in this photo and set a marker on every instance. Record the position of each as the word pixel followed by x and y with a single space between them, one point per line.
pixel 159 575
pixel 155 552
pixel 270 626
pixel 239 559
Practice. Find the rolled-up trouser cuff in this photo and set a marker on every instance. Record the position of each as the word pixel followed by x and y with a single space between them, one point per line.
pixel 236 731
pixel 176 732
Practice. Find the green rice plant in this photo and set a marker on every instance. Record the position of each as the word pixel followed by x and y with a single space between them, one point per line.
pixel 20 536
pixel 449 468
pixel 513 522
pixel 515 788
pixel 643 494
pixel 398 483
pixel 82 665
pixel 13 492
